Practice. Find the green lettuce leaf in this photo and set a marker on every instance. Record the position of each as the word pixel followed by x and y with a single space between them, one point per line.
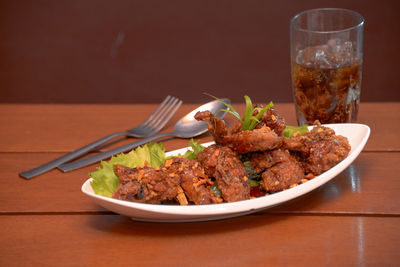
pixel 191 154
pixel 105 182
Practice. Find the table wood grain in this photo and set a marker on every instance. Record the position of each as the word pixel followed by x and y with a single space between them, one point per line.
pixel 253 240
pixel 352 220
pixel 64 128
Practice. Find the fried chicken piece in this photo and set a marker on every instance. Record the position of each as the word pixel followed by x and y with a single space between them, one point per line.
pixel 241 141
pixel 255 140
pixel 194 182
pixel 280 170
pixel 231 176
pixel 208 159
pixel 145 184
pixel 320 149
pixel 260 161
pixel 273 120
pixel 177 178
pixel 224 165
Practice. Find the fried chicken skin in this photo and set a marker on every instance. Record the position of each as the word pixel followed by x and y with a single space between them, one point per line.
pixel 208 159
pixel 273 120
pixel 177 176
pixel 193 180
pixel 280 170
pixel 241 141
pixel 145 184
pixel 224 165
pixel 320 149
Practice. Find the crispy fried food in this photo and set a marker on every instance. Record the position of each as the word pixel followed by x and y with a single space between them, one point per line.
pixel 193 180
pixel 145 184
pixel 241 141
pixel 181 197
pixel 273 120
pixel 320 149
pixel 177 178
pixel 208 159
pixel 280 170
pixel 224 165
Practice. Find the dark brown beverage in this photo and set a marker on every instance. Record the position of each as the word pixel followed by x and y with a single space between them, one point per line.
pixel 327 90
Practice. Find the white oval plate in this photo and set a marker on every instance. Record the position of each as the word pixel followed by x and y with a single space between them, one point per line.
pixel 357 135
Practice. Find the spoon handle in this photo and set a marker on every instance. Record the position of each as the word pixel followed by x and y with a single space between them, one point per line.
pixel 104 155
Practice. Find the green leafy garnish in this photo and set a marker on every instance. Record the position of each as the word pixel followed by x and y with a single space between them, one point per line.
pixel 292 131
pixel 251 175
pixel 250 170
pixel 249 121
pixel 105 182
pixel 254 183
pixel 191 154
pixel 215 190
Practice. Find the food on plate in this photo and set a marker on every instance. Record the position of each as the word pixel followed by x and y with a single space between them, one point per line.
pixel 259 155
pixel 279 169
pixel 242 141
pixel 319 149
pixel 105 181
pixel 178 178
pixel 225 166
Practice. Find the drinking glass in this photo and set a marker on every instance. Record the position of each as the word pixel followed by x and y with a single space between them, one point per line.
pixel 326 47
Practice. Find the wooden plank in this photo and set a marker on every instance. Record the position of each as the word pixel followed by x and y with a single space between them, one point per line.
pixel 371 185
pixel 60 128
pixel 101 240
pixel 63 128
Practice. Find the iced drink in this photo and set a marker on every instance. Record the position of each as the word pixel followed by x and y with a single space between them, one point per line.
pixel 326 84
pixel 326 59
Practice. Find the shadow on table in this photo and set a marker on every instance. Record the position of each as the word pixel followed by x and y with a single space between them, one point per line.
pixel 125 226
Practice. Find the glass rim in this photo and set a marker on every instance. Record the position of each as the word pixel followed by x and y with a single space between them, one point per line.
pixel 354 13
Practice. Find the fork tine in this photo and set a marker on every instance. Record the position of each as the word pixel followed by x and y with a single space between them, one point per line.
pixel 166 117
pixel 157 110
pixel 169 116
pixel 160 120
pixel 162 113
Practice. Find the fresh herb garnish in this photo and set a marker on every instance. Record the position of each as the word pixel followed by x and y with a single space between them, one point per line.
pixel 293 131
pixel 253 177
pixel 254 183
pixel 215 190
pixel 250 170
pixel 249 121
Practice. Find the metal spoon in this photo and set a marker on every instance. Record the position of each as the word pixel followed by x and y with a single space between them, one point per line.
pixel 186 127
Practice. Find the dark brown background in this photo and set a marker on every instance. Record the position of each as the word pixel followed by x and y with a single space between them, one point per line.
pixel 91 51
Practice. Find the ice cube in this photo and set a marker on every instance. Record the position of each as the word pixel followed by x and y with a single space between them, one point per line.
pixel 332 55
pixel 334 45
pixel 342 51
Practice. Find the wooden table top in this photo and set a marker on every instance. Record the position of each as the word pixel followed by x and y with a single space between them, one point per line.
pixel 354 219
